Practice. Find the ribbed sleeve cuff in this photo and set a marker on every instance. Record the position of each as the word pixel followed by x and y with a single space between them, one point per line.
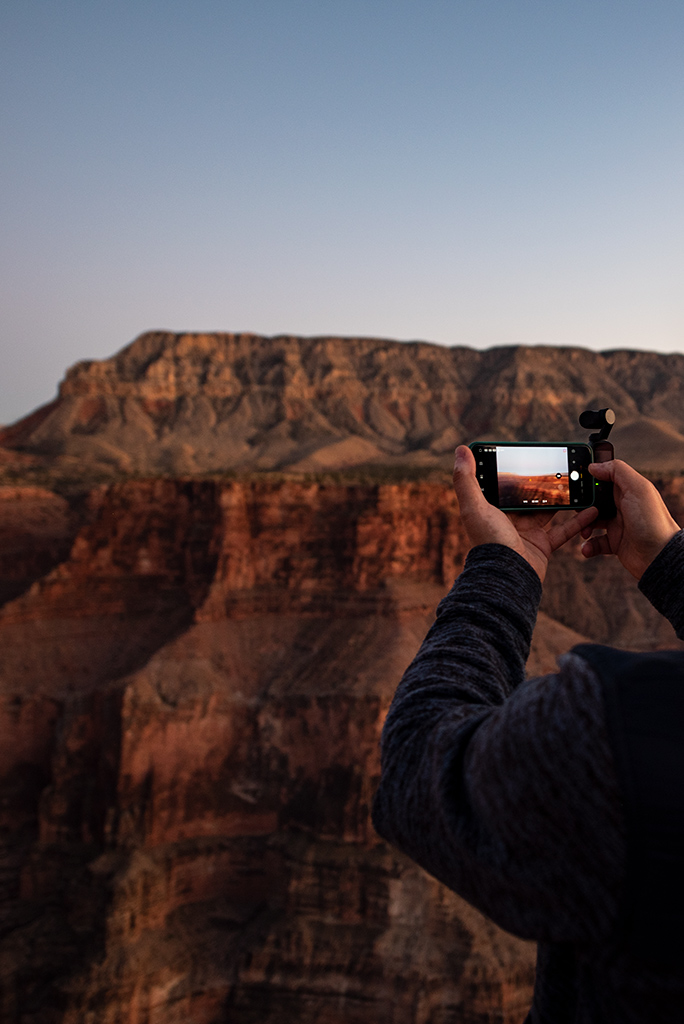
pixel 663 582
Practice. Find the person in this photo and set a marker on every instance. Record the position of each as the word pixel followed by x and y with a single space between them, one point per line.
pixel 554 805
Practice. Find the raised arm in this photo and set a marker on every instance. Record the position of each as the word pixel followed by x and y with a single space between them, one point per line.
pixel 481 783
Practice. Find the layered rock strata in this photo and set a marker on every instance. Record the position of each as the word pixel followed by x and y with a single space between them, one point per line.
pixel 197 403
pixel 191 702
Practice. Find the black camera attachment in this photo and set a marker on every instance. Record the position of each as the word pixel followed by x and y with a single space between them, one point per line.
pixel 601 422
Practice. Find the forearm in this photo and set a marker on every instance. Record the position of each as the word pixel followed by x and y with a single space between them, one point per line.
pixel 663 583
pixel 471 660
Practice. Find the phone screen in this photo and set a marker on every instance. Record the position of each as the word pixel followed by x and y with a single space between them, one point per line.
pixel 535 476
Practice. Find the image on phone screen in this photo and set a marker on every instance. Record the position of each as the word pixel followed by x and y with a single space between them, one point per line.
pixel 533 476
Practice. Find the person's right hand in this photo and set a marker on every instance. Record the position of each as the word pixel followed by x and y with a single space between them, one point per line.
pixel 642 526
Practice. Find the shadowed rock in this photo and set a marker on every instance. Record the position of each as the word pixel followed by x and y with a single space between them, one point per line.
pixel 191 706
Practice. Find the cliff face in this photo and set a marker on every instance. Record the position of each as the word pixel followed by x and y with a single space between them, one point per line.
pixel 194 671
pixel 191 703
pixel 37 528
pixel 191 707
pixel 194 403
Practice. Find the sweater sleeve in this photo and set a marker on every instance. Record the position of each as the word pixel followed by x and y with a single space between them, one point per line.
pixel 663 583
pixel 504 789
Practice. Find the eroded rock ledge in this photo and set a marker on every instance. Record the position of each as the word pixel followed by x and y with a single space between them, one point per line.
pixel 193 679
pixel 197 403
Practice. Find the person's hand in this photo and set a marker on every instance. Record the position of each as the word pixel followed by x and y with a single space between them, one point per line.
pixel 534 535
pixel 642 526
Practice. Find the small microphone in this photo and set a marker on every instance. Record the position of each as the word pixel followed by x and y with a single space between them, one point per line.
pixel 591 420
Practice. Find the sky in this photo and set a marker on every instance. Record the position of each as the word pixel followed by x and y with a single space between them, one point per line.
pixel 466 172
pixel 533 461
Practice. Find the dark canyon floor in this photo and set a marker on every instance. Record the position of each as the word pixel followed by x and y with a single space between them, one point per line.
pixel 195 666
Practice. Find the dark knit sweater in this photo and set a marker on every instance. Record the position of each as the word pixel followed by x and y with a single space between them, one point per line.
pixel 506 791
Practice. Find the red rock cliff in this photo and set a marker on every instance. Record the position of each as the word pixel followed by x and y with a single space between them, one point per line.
pixel 191 703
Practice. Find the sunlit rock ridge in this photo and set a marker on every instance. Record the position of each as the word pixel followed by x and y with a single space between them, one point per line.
pixel 174 403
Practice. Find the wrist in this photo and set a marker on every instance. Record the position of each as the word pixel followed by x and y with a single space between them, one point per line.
pixel 656 548
pixel 508 561
pixel 662 580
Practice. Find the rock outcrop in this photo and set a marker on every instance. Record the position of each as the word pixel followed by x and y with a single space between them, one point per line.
pixel 207 403
pixel 191 704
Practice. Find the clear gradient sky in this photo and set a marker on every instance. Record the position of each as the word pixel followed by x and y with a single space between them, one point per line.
pixel 532 461
pixel 469 172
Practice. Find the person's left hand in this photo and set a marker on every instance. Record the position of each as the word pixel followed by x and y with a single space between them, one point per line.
pixel 534 535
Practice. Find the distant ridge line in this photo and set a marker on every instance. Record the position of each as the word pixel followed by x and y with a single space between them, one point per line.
pixel 196 402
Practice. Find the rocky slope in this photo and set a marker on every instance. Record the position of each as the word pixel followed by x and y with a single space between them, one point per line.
pixel 191 698
pixel 196 403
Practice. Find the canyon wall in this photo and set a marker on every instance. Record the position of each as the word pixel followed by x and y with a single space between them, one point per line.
pixel 194 678
pixel 209 589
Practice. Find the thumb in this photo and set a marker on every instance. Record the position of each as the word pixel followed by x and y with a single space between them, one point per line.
pixel 603 470
pixel 468 492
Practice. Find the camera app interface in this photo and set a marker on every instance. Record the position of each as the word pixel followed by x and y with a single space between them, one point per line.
pixel 530 477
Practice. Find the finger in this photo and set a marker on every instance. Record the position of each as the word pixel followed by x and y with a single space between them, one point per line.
pixel 561 516
pixel 542 518
pixel 468 492
pixel 598 524
pixel 599 545
pixel 532 520
pixel 602 470
pixel 618 471
pixel 560 533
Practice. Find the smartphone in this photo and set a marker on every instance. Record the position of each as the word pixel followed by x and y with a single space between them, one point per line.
pixel 522 477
